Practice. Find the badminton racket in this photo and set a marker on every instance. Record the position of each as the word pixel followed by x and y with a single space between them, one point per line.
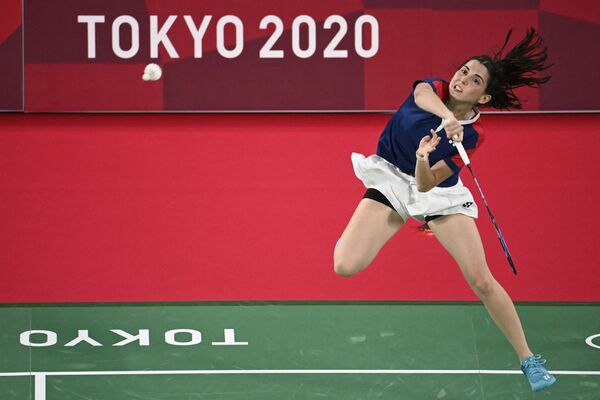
pixel 465 158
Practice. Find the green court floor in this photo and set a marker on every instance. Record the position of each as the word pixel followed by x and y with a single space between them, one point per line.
pixel 284 350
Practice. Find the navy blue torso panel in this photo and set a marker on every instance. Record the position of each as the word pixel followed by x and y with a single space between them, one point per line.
pixel 400 139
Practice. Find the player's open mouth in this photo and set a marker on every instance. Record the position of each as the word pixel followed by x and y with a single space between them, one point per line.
pixel 458 89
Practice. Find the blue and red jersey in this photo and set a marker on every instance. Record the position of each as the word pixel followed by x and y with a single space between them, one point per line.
pixel 401 137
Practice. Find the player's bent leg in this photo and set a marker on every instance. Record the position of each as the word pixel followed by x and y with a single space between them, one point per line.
pixel 460 237
pixel 370 227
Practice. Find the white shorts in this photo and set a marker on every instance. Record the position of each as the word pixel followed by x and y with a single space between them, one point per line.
pixel 401 190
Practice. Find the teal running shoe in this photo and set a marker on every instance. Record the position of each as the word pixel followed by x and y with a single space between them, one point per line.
pixel 536 373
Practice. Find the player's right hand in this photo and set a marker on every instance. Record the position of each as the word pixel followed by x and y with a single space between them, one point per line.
pixel 453 129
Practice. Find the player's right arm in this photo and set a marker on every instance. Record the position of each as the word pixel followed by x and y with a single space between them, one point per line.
pixel 426 99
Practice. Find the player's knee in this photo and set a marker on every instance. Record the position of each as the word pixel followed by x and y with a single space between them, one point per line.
pixel 345 266
pixel 482 284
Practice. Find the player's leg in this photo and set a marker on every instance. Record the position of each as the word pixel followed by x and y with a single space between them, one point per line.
pixel 371 226
pixel 460 237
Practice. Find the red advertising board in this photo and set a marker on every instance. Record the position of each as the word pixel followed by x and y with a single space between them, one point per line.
pixel 231 55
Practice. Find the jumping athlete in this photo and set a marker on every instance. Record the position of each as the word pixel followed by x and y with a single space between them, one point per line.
pixel 415 174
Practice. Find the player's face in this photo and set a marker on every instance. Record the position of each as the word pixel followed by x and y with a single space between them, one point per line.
pixel 469 82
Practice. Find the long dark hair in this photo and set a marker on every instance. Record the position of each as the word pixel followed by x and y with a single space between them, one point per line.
pixel 517 68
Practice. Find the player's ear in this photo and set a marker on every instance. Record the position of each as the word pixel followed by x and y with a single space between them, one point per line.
pixel 483 100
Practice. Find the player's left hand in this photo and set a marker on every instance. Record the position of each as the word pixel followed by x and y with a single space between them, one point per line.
pixel 428 143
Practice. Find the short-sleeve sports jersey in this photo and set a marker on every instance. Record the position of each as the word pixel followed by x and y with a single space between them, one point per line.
pixel 401 137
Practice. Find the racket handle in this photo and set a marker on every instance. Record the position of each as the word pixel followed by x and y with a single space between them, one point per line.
pixel 462 153
pixel 459 146
pixel 441 126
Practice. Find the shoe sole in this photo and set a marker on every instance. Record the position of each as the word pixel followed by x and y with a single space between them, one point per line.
pixel 545 385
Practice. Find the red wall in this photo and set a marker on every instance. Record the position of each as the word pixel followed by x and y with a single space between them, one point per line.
pixel 249 207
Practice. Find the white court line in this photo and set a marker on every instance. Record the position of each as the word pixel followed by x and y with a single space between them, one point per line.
pixel 40 377
pixel 40 387
pixel 292 372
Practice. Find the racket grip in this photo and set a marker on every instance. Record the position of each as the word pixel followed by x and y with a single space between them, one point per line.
pixel 462 153
pixel 459 146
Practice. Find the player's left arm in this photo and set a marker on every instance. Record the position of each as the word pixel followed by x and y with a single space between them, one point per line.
pixel 427 176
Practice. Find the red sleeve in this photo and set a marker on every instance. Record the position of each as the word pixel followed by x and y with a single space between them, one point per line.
pixel 439 86
pixel 441 89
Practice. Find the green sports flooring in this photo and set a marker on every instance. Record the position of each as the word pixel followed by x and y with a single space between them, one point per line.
pixel 283 350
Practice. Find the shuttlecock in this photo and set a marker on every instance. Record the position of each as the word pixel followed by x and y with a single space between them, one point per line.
pixel 152 72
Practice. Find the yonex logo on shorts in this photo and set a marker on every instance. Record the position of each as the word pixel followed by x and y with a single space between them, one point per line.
pixel 468 204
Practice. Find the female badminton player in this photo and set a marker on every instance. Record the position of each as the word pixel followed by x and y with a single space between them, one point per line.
pixel 415 174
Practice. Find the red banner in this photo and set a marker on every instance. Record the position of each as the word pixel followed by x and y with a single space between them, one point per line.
pixel 270 55
pixel 11 56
